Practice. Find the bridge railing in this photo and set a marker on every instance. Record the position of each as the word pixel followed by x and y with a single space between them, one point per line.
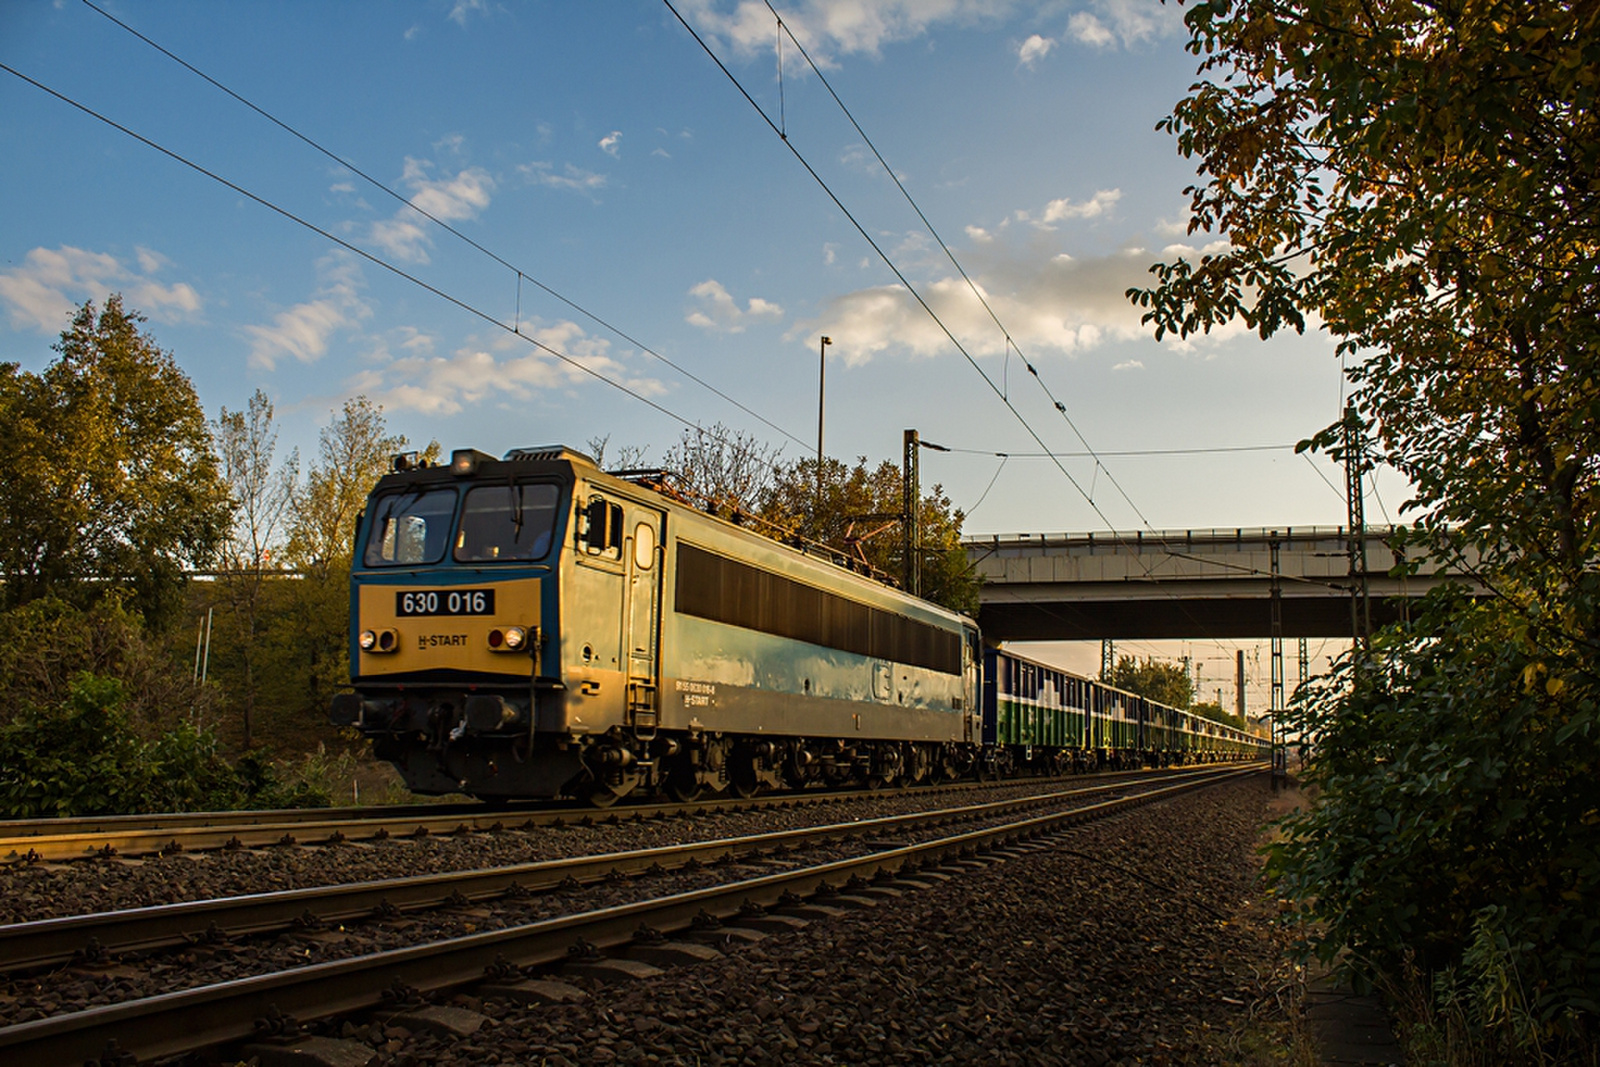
pixel 1160 540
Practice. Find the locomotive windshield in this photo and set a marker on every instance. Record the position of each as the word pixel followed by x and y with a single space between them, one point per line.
pixel 507 522
pixel 410 527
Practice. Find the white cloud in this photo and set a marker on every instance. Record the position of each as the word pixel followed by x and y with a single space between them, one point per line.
pixel 1090 30
pixel 461 10
pixel 835 27
pixel 611 144
pixel 52 283
pixel 303 331
pixel 450 199
pixel 1034 49
pixel 1172 227
pixel 1064 210
pixel 508 371
pixel 719 311
pixel 1051 304
pixel 979 235
pixel 1109 23
pixel 571 177
pixel 1129 364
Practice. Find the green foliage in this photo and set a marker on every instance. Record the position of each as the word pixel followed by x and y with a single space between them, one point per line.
pixel 1166 683
pixel 856 510
pixel 261 497
pixel 353 452
pixel 1459 823
pixel 106 459
pixel 280 643
pixel 79 758
pixel 85 756
pixel 1421 179
pixel 46 643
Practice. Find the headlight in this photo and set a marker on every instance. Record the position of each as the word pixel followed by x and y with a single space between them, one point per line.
pixel 509 639
pixel 378 641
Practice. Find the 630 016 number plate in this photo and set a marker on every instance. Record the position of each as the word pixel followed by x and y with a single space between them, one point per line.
pixel 444 602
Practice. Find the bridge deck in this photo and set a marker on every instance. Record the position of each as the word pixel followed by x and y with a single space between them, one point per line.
pixel 1185 584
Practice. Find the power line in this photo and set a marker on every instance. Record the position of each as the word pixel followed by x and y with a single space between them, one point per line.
pixel 521 274
pixel 884 256
pixel 1002 394
pixel 368 256
pixel 390 267
pixel 1011 343
pixel 1121 453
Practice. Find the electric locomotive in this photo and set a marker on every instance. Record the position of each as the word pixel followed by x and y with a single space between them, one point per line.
pixel 531 626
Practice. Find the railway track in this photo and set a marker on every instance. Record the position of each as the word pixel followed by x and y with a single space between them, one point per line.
pixel 55 840
pixel 224 1012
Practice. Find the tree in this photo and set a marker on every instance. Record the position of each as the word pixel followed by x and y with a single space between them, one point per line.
pixel 728 471
pixel 1167 683
pixel 1433 197
pixel 853 511
pixel 110 480
pixel 1424 181
pixel 856 511
pixel 260 495
pixel 624 458
pixel 353 452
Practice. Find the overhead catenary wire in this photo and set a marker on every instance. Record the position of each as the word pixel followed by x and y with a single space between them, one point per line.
pixel 1011 343
pixel 375 260
pixel 378 261
pixel 521 274
pixel 1000 393
pixel 1121 453
pixel 886 258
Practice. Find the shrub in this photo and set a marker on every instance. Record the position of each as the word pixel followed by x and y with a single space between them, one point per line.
pixel 1457 828
pixel 84 756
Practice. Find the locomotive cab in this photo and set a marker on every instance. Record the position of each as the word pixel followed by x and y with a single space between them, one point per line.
pixel 453 602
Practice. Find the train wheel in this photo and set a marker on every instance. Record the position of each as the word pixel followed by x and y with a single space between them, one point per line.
pixel 919 764
pixel 683 783
pixel 744 777
pixel 599 796
pixel 603 794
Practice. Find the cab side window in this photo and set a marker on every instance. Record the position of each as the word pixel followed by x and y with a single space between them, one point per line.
pixel 600 528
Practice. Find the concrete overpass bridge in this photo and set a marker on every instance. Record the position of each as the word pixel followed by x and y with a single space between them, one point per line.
pixel 1185 583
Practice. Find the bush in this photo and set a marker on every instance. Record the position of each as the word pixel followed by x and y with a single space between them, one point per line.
pixel 1457 830
pixel 46 643
pixel 83 756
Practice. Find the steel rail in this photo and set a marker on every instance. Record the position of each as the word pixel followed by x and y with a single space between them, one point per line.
pixel 15 830
pixel 48 942
pixel 209 1016
pixel 134 835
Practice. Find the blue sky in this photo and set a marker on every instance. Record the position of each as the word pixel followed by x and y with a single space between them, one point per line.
pixel 599 151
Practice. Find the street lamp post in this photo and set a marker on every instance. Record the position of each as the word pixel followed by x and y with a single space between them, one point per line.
pixel 822 382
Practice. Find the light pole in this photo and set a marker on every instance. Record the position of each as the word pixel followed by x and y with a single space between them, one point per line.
pixel 822 382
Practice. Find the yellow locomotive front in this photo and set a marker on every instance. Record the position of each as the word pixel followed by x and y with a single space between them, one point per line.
pixel 452 611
